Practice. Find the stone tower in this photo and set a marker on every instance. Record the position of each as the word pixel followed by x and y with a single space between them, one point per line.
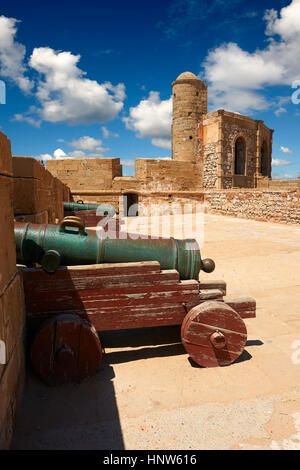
pixel 189 104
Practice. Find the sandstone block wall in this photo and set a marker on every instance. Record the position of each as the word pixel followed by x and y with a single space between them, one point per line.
pixel 12 311
pixel 86 173
pixel 38 196
pixel 85 178
pixel 167 175
pixel 127 184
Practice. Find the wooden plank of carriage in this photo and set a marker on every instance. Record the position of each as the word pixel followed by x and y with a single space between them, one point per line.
pixel 127 281
pixel 244 306
pixel 83 277
pixel 92 270
pixel 51 284
pixel 119 295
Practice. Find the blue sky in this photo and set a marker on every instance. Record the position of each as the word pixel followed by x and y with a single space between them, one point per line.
pixel 94 78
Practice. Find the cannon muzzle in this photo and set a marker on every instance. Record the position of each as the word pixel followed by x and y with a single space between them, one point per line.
pixel 70 244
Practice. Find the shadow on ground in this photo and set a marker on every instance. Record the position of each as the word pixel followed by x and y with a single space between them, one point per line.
pixel 85 416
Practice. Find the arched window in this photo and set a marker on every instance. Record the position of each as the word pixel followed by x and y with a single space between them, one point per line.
pixel 240 156
pixel 264 160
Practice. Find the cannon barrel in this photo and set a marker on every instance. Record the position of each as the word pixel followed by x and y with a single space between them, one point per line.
pixel 70 244
pixel 102 209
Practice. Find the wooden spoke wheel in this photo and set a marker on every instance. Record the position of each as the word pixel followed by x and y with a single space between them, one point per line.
pixel 66 348
pixel 213 334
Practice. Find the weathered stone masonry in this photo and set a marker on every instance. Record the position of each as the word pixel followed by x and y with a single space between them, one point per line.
pixel 211 152
pixel 12 312
pixel 38 196
pixel 217 135
pixel 267 205
pixel 28 192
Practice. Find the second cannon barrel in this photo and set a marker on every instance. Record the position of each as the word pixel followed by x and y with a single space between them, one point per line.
pixel 102 209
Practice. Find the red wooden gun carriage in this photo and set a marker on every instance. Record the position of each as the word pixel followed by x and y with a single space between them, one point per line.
pixel 67 310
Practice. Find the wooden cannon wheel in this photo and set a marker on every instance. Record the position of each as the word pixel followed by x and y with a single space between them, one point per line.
pixel 66 348
pixel 213 334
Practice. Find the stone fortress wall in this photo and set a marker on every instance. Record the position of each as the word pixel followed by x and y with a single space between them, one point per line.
pixel 28 193
pixel 203 169
pixel 160 182
pixel 262 205
pixel 37 195
pixel 12 310
pixel 221 159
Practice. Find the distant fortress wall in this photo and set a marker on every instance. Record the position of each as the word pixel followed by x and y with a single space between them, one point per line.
pixel 220 159
pixel 37 195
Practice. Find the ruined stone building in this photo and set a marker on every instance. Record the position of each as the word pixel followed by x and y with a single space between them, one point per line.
pixel 231 150
pixel 220 159
pixel 210 151
pixel 217 150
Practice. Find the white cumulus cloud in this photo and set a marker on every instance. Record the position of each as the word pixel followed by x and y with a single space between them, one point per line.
pixel 63 91
pixel 66 95
pixel 76 154
pixel 96 155
pixel 12 55
pixel 87 143
pixel 59 154
pixel 26 117
pixel 289 177
pixel 107 133
pixel 152 118
pixel 279 111
pixel 164 143
pixel 278 162
pixel 286 150
pixel 238 77
pixel 85 147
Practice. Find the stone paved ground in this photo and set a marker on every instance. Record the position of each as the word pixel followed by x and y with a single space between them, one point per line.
pixel 149 396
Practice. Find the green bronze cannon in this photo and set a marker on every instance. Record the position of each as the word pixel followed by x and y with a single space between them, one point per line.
pixel 102 209
pixel 70 244
pixel 92 214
